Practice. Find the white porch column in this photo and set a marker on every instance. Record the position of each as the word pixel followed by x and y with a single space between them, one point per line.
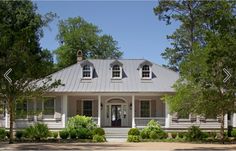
pixel 99 111
pixel 6 118
pixel 226 120
pixel 133 111
pixel 168 116
pixel 64 110
pixel 234 120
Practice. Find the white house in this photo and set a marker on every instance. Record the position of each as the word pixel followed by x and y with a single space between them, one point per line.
pixel 115 93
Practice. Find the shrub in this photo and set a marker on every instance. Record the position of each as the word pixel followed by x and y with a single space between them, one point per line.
pixel 37 131
pixel 133 138
pixel 2 134
pixel 99 131
pixel 55 134
pixel 19 134
pixel 73 134
pixel 153 135
pixel 84 133
pixel 145 133
pixel 134 131
pixel 233 133
pixel 173 135
pixel 64 134
pixel 194 133
pixel 78 122
pixel 99 138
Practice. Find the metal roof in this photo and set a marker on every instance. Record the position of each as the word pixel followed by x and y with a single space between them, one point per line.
pixel 162 78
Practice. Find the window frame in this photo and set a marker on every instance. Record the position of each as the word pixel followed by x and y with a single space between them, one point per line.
pixel 120 71
pixel 140 107
pixel 82 107
pixel 149 71
pixel 90 71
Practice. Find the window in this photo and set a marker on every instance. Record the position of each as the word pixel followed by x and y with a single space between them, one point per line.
pixel 48 109
pixel 146 72
pixel 87 108
pixel 145 108
pixel 116 71
pixel 87 71
pixel 21 109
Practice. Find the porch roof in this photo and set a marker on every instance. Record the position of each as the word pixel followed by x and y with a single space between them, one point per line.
pixel 162 78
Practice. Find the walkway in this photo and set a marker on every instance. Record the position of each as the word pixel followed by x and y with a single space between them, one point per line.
pixel 115 146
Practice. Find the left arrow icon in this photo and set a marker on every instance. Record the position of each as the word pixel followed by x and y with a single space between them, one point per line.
pixel 6 75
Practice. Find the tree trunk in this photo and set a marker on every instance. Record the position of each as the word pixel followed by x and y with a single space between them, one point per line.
pixel 222 129
pixel 10 109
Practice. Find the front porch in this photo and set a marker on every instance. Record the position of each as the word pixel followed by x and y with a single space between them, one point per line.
pixel 118 111
pixel 107 110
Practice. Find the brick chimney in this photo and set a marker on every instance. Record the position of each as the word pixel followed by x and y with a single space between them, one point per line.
pixel 79 56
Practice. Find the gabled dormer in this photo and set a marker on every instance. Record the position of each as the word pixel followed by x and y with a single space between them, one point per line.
pixel 145 70
pixel 116 69
pixel 87 69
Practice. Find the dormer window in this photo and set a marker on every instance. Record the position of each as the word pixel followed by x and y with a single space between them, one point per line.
pixel 86 71
pixel 116 72
pixel 116 69
pixel 145 69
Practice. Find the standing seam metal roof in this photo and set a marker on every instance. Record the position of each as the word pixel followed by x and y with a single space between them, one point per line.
pixel 162 80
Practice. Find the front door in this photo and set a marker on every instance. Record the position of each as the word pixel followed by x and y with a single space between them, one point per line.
pixel 115 115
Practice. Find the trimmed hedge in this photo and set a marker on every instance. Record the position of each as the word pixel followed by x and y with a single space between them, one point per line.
pixel 134 131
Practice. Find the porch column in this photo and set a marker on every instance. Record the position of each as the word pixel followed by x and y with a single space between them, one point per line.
pixel 133 111
pixel 234 120
pixel 6 118
pixel 226 120
pixel 64 110
pixel 99 111
pixel 167 114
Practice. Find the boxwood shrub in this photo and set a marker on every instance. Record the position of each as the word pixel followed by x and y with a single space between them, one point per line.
pixel 134 131
pixel 2 134
pixel 99 131
pixel 99 138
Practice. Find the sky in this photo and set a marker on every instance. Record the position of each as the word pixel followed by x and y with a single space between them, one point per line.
pixel 133 24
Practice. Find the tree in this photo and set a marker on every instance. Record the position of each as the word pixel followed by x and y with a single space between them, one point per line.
pixel 193 18
pixel 21 29
pixel 76 33
pixel 201 89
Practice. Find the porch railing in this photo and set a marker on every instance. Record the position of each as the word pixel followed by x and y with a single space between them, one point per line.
pixel 143 121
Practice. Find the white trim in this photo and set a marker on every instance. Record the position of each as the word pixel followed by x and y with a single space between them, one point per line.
pixel 121 70
pixel 91 72
pixel 150 106
pixel 99 111
pixel 133 111
pixel 116 98
pixel 64 110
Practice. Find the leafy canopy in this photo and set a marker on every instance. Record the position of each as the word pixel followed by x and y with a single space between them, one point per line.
pixel 77 34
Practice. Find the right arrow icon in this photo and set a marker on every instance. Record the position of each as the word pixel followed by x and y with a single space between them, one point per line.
pixel 228 75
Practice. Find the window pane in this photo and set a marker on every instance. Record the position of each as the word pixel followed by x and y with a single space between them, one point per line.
pixel 116 71
pixel 145 110
pixel 87 108
pixel 86 71
pixel 49 107
pixel 145 71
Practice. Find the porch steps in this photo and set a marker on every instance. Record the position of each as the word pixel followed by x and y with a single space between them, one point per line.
pixel 116 134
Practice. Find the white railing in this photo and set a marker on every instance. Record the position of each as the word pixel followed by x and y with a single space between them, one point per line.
pixel 143 121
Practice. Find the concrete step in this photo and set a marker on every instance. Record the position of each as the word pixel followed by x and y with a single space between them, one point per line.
pixel 116 134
